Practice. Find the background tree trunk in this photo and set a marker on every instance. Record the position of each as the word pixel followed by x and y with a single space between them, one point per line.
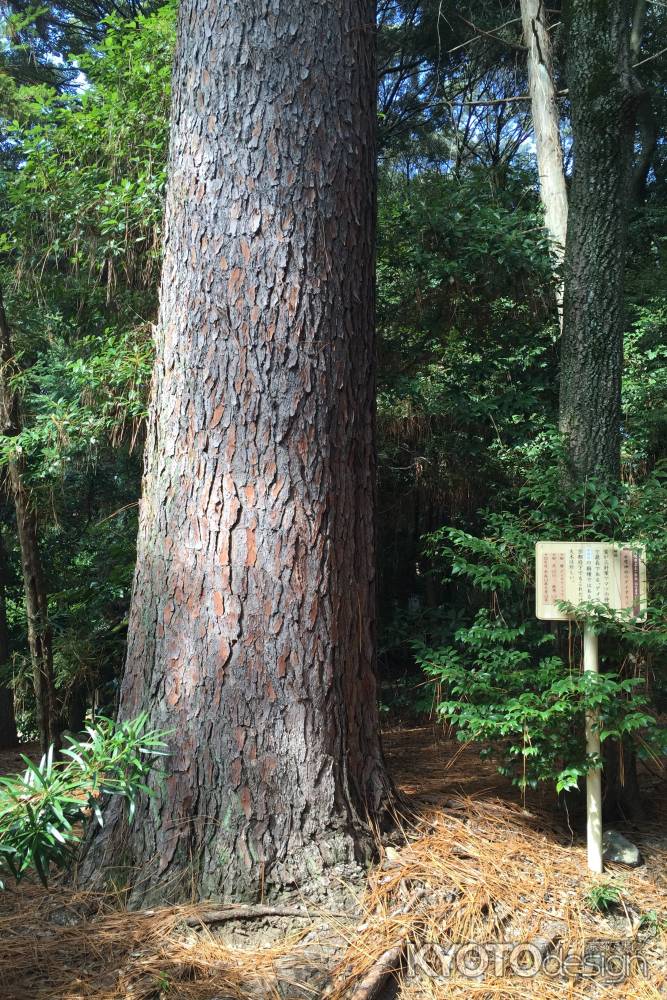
pixel 36 607
pixel 36 601
pixel 8 734
pixel 646 120
pixel 604 98
pixel 252 629
pixel 603 102
pixel 546 127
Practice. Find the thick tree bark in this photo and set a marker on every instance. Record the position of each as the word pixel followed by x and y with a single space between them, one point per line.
pixel 546 127
pixel 603 99
pixel 604 96
pixel 8 734
pixel 36 601
pixel 252 629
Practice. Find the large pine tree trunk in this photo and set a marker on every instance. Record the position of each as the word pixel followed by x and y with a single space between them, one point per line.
pixel 252 629
pixel 603 100
pixel 36 600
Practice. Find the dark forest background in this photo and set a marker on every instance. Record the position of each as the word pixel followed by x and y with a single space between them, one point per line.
pixel 468 348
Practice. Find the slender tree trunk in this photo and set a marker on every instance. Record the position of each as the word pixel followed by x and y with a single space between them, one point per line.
pixel 637 30
pixel 36 606
pixel 252 628
pixel 36 603
pixel 603 99
pixel 77 708
pixel 546 128
pixel 8 734
pixel 621 793
pixel 646 119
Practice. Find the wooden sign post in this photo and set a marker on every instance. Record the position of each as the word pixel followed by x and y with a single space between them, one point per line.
pixel 599 573
pixel 594 776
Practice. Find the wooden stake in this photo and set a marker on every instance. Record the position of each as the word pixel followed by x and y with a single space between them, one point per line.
pixel 594 777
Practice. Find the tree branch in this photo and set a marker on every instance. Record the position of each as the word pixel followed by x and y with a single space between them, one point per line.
pixel 517 46
pixel 476 38
pixel 254 913
pixel 650 58
pixel 504 100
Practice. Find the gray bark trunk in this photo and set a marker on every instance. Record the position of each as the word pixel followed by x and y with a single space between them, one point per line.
pixel 252 630
pixel 603 102
pixel 604 96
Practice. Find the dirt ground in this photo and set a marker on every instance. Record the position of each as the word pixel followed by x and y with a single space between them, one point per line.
pixel 474 866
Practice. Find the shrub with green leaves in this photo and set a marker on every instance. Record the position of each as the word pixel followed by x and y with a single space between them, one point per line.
pixel 43 811
pixel 515 684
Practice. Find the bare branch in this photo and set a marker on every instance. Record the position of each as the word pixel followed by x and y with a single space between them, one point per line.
pixel 517 46
pixel 650 58
pixel 477 38
pixel 505 100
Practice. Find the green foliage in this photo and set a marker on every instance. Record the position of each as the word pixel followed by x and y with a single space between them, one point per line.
pixel 80 240
pixel 467 410
pixel 467 352
pixel 516 685
pixel 653 922
pixel 41 811
pixel 463 276
pixel 80 399
pixel 468 375
pixel 603 897
pixel 82 178
pixel 43 37
pixel 82 213
pixel 645 387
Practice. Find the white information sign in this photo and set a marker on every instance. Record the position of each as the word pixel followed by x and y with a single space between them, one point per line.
pixel 613 574
pixel 599 572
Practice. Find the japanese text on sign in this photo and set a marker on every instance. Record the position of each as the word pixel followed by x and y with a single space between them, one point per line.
pixel 589 572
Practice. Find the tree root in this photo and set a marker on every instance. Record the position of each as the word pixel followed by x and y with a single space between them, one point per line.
pixel 378 974
pixel 390 960
pixel 249 912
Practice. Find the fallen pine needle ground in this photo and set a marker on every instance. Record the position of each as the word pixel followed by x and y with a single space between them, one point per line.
pixel 475 866
pixel 489 889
